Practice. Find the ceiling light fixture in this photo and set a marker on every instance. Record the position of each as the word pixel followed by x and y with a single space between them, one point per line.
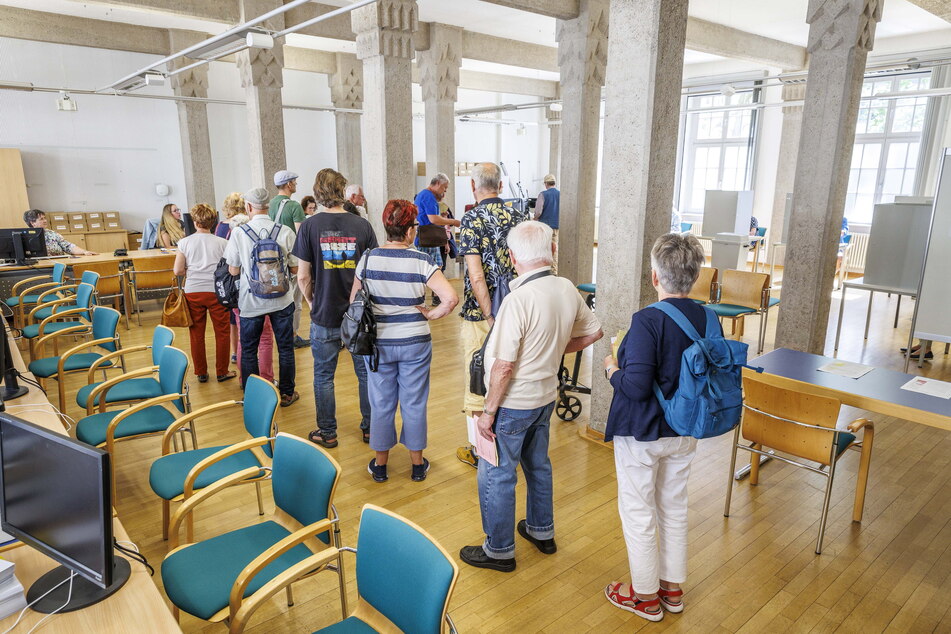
pixel 141 81
pixel 65 104
pixel 246 38
pixel 555 106
pixel 727 90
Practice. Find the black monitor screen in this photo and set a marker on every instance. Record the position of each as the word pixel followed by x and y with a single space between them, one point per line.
pixel 56 497
pixel 34 242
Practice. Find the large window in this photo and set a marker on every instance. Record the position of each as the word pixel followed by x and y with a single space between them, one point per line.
pixel 887 140
pixel 718 147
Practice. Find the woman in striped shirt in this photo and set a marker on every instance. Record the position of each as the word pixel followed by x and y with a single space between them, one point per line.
pixel 396 276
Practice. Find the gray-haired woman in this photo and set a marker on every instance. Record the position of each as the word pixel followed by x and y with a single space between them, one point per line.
pixel 652 460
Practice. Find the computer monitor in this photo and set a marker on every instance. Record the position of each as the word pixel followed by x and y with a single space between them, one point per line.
pixel 10 389
pixel 22 244
pixel 55 496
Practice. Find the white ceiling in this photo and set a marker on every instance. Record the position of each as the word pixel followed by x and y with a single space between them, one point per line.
pixel 778 19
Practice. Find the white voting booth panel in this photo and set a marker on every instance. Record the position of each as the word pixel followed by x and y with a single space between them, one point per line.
pixel 932 318
pixel 896 245
pixel 727 212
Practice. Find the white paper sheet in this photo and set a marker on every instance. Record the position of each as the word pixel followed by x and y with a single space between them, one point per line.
pixel 931 387
pixel 847 369
pixel 485 448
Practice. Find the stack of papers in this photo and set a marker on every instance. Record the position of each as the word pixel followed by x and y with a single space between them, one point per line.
pixel 847 369
pixel 931 387
pixel 12 598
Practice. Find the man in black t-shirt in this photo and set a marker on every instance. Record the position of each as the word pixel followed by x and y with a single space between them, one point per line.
pixel 329 245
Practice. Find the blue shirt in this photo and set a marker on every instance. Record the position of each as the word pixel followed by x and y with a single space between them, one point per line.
pixel 426 205
pixel 651 351
pixel 551 207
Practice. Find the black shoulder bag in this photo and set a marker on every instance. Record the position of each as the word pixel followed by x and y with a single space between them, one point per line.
pixel 358 330
pixel 477 364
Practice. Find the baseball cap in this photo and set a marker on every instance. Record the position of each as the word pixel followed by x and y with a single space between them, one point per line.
pixel 283 177
pixel 258 197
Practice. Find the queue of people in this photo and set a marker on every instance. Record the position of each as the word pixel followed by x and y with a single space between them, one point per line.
pixel 514 309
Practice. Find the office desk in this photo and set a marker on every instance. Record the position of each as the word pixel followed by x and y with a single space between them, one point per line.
pixel 879 391
pixel 69 260
pixel 136 607
pixel 860 284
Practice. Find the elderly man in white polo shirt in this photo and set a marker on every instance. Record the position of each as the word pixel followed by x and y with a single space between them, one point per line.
pixel 542 318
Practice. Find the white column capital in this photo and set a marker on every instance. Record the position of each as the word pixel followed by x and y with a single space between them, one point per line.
pixel 583 43
pixel 836 24
pixel 439 65
pixel 386 28
pixel 346 83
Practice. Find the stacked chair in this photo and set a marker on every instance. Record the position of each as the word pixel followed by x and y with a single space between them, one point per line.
pixel 27 292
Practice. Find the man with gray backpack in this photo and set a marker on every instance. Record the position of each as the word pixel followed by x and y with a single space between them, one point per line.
pixel 260 252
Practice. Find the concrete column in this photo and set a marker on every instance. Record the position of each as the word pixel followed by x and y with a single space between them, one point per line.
pixel 786 168
pixel 262 79
pixel 841 33
pixel 582 55
pixel 193 124
pixel 346 91
pixel 644 72
pixel 385 33
pixel 554 144
pixel 439 80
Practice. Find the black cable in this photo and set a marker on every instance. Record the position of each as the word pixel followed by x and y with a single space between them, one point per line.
pixel 139 557
pixel 27 379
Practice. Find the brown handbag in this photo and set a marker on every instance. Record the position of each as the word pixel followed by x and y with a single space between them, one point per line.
pixel 432 236
pixel 175 313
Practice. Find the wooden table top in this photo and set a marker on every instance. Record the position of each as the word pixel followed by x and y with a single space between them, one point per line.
pixel 878 391
pixel 137 607
pixel 69 260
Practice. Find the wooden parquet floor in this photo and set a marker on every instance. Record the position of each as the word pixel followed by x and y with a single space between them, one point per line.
pixel 752 572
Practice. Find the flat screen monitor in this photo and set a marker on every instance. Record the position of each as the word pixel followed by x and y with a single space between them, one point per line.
pixel 22 243
pixel 55 496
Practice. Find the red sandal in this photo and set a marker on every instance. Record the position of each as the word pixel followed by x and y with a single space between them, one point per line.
pixel 670 600
pixel 632 604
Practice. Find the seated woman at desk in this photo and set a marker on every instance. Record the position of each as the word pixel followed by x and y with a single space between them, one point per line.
pixel 56 244
pixel 171 229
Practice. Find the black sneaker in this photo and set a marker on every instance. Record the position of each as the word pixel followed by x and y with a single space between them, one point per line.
pixel 420 471
pixel 547 546
pixel 475 556
pixel 377 471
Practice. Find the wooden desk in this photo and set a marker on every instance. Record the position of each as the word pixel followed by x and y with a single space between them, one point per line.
pixel 69 260
pixel 136 607
pixel 879 391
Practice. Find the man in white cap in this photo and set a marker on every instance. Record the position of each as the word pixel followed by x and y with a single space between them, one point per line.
pixel 289 213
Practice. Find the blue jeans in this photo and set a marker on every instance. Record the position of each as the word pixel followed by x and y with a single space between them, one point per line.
pixel 325 346
pixel 522 438
pixel 282 322
pixel 401 379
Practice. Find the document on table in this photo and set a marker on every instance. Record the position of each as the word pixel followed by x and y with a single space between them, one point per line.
pixel 931 387
pixel 847 369
pixel 485 448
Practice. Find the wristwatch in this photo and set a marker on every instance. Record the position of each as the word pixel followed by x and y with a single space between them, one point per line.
pixel 607 371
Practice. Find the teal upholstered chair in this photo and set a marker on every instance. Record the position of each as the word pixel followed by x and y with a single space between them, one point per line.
pixel 214 578
pixel 136 385
pixel 105 324
pixel 148 418
pixel 46 307
pixel 27 292
pixel 741 294
pixel 177 475
pixel 685 227
pixel 591 290
pixel 74 310
pixel 704 289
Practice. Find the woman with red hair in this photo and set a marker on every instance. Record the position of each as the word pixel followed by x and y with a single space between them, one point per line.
pixel 396 276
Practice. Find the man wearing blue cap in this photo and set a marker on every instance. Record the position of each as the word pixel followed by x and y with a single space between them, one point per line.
pixel 289 213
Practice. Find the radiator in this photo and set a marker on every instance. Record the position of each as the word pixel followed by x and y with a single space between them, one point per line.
pixel 855 258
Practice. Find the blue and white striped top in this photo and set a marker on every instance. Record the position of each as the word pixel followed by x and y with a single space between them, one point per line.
pixel 396 280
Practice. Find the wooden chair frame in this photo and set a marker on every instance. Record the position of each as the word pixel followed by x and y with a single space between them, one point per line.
pixel 762 310
pixel 253 444
pixel 105 270
pixel 91 374
pixel 30 290
pixel 56 316
pixel 865 446
pixel 135 286
pixel 363 611
pixel 327 557
pixel 711 291
pixel 61 372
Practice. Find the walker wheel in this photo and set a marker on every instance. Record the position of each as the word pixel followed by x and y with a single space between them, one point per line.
pixel 568 408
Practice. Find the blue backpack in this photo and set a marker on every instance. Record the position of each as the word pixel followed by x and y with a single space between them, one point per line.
pixel 268 277
pixel 709 399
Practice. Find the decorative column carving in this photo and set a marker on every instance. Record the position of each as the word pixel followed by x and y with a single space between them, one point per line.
pixel 346 91
pixel 262 77
pixel 788 151
pixel 841 33
pixel 439 80
pixel 640 160
pixel 385 33
pixel 193 124
pixel 582 57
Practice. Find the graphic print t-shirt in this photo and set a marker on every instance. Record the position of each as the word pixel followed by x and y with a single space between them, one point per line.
pixel 333 244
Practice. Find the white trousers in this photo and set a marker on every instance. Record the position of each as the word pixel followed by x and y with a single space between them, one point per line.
pixel 652 502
